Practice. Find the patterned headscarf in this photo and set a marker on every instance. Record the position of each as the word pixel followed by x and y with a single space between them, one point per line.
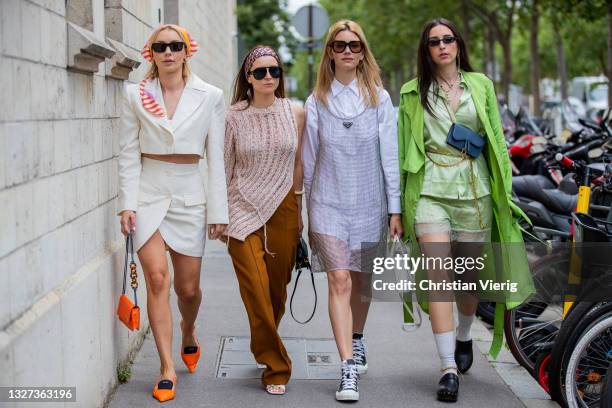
pixel 192 46
pixel 146 97
pixel 258 52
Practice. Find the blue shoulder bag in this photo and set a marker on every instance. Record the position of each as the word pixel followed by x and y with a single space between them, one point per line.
pixel 463 138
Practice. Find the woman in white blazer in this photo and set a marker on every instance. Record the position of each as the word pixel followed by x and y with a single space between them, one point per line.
pixel 169 121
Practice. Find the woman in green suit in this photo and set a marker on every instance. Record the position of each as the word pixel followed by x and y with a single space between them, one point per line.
pixel 455 204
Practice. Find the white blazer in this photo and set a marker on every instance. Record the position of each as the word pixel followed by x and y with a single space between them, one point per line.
pixel 198 127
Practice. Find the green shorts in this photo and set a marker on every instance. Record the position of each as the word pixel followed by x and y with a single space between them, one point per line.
pixel 457 217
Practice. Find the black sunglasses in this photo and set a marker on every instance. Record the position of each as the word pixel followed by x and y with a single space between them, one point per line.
pixel 260 73
pixel 434 42
pixel 340 46
pixel 175 46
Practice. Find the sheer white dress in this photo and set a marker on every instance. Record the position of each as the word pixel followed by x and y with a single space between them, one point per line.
pixel 351 177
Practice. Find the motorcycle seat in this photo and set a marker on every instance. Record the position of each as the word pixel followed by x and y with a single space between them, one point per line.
pixel 523 186
pixel 557 201
pixel 541 189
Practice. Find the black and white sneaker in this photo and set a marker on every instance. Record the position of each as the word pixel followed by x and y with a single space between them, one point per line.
pixel 348 390
pixel 359 353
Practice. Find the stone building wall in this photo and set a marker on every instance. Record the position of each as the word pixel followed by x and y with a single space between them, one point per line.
pixel 63 67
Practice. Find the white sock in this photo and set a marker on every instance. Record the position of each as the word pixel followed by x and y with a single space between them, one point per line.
pixel 445 342
pixel 464 327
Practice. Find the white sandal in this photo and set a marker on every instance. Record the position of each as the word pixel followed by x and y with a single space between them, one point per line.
pixel 275 389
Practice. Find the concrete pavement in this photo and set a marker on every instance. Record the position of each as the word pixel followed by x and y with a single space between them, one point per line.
pixel 403 367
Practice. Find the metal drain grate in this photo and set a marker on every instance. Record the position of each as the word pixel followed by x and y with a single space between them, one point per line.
pixel 312 359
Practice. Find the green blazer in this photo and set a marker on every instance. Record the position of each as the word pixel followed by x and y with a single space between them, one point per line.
pixel 506 236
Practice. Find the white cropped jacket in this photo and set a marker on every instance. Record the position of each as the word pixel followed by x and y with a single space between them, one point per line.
pixel 198 127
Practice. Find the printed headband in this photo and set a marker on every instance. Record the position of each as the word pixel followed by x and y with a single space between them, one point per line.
pixel 257 53
pixel 192 46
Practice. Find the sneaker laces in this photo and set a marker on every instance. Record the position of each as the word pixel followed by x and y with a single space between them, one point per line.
pixel 359 350
pixel 349 377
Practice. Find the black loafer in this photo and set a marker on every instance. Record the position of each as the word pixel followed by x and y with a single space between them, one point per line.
pixel 448 388
pixel 463 355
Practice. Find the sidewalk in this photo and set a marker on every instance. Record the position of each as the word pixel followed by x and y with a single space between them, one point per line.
pixel 403 367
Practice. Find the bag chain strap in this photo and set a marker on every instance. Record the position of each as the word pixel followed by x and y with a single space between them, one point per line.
pixel 129 255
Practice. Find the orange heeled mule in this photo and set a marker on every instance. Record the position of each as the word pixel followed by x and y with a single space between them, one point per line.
pixel 164 390
pixel 191 355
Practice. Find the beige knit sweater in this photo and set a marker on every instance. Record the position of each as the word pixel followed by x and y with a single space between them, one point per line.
pixel 260 148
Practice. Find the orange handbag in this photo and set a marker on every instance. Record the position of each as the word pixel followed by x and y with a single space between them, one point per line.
pixel 128 311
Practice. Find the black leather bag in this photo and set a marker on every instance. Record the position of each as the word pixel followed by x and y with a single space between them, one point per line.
pixel 302 262
pixel 464 139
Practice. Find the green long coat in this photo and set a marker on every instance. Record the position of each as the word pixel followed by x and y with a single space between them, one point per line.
pixel 510 259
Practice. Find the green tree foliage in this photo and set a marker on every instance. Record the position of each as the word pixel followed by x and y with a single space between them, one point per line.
pixel 590 10
pixel 520 51
pixel 263 22
pixel 299 70
pixel 393 28
pixel 586 45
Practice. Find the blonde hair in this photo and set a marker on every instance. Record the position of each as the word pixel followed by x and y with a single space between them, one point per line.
pixel 368 72
pixel 152 72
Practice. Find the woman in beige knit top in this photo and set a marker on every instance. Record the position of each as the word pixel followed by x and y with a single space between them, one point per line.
pixel 264 187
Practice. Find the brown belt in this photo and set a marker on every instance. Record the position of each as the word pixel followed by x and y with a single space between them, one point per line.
pixel 174 158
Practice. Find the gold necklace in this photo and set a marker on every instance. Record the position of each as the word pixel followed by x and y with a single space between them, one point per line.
pixel 447 93
pixel 450 86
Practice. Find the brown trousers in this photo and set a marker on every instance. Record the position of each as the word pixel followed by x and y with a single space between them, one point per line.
pixel 263 280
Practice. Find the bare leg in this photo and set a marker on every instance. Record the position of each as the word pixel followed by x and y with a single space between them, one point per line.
pixel 152 257
pixel 360 299
pixel 436 245
pixel 340 314
pixel 467 303
pixel 187 288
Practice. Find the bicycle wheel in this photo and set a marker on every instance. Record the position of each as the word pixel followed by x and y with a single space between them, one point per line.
pixel 587 366
pixel 535 324
pixel 580 317
pixel 486 311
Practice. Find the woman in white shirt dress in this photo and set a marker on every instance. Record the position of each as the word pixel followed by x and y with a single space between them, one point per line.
pixel 169 121
pixel 351 178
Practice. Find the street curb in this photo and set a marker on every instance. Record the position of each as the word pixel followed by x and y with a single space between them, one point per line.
pixel 516 377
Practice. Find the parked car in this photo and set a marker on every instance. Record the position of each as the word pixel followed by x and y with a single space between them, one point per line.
pixel 593 92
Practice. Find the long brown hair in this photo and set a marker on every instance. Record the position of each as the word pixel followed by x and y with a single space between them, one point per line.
pixel 368 72
pixel 243 90
pixel 426 68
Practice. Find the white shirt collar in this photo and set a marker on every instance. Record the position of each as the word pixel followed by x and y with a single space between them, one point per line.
pixel 337 87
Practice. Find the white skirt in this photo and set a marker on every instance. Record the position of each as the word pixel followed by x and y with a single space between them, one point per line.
pixel 171 199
